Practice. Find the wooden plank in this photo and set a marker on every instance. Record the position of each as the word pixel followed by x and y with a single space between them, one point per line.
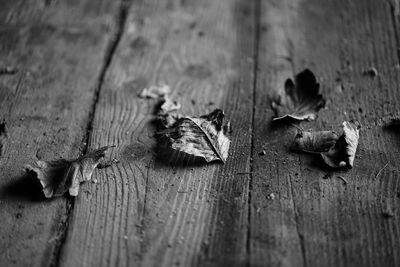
pixel 144 211
pixel 58 49
pixel 336 224
pixel 274 237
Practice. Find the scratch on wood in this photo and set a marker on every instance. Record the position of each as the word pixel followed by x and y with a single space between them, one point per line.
pixel 343 179
pixel 379 172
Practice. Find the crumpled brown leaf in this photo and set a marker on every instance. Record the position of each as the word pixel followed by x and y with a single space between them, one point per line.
pixel 342 154
pixel 60 176
pixel 301 101
pixel 336 151
pixel 204 137
pixel 314 142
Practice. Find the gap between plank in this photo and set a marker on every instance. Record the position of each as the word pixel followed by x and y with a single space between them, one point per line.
pixel 295 210
pixel 394 8
pixel 296 219
pixel 257 28
pixel 63 228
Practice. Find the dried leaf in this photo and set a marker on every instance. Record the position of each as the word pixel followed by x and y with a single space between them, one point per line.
pixel 302 100
pixel 314 142
pixel 336 151
pixel 60 176
pixel 155 91
pixel 203 137
pixel 342 154
pixel 169 105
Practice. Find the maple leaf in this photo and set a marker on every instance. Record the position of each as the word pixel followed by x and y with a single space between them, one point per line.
pixel 60 176
pixel 301 100
pixel 204 137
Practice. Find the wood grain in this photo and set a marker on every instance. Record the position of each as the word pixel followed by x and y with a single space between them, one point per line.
pixel 58 50
pixel 274 235
pixel 316 219
pixel 145 211
pixel 80 67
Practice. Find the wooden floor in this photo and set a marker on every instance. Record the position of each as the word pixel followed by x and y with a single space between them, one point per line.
pixel 81 65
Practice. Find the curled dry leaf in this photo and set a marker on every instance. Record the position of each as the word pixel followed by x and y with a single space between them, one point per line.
pixel 342 154
pixel 302 100
pixel 204 137
pixel 60 176
pixel 336 151
pixel 314 142
pixel 155 91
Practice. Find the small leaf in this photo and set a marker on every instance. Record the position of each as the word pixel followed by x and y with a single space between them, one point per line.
pixel 155 91
pixel 60 176
pixel 342 154
pixel 90 161
pixel 301 101
pixel 203 137
pixel 336 151
pixel 314 142
pixel 168 105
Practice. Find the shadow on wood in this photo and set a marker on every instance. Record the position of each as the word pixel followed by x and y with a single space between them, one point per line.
pixel 172 158
pixel 23 188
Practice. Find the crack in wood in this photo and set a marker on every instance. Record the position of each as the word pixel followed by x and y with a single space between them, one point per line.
pixel 394 6
pixel 257 23
pixel 62 232
pixel 297 222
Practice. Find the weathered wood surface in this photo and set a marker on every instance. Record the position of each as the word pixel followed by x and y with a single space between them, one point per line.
pixel 317 221
pixel 277 209
pixel 146 212
pixel 58 49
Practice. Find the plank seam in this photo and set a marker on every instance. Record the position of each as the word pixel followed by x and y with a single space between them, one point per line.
pixel 297 222
pixel 394 9
pixel 257 16
pixel 295 209
pixel 63 228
